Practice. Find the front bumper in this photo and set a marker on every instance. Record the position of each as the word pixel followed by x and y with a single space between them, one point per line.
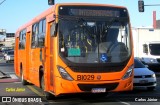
pixel 147 82
pixel 67 87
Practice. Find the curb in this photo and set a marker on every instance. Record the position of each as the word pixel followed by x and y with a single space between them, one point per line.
pixel 9 80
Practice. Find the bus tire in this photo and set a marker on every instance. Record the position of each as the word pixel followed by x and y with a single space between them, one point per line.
pixel 24 82
pixel 47 95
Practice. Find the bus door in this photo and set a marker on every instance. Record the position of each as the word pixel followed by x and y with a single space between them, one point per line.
pixel 50 58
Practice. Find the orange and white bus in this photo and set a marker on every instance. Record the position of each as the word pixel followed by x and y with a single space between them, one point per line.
pixel 76 48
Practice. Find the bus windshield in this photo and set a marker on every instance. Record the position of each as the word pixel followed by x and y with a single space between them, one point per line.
pixel 100 38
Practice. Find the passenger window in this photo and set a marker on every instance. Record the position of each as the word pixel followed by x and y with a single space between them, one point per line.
pixel 22 39
pixel 35 31
pixel 44 25
pixel 40 26
pixel 42 33
pixel 38 34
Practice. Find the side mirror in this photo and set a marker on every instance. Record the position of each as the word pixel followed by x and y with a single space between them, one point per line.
pixel 53 31
pixel 50 2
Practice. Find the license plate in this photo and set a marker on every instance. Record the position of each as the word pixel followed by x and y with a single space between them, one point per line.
pixel 98 90
pixel 143 81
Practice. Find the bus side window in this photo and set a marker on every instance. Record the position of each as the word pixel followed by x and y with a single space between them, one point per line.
pixel 22 39
pixel 34 42
pixel 42 33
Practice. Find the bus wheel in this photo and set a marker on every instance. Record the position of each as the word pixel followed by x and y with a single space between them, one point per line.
pixel 47 95
pixel 24 82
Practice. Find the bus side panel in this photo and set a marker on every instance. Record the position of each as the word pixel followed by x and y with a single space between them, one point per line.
pixel 38 63
pixel 19 59
pixel 27 72
pixel 34 65
pixel 22 60
pixel 16 62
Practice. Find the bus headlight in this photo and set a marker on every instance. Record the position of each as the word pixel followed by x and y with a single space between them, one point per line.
pixel 128 73
pixel 64 74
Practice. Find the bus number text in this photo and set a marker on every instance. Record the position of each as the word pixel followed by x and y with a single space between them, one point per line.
pixel 85 77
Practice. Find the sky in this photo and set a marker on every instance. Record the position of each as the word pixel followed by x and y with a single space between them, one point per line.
pixel 15 13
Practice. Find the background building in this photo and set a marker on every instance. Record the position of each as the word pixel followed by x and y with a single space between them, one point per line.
pixel 10 40
pixel 6 39
pixel 156 23
pixel 2 37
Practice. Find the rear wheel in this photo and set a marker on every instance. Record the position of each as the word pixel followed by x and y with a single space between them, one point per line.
pixel 47 95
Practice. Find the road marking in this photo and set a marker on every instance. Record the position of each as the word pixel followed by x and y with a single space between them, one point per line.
pixel 17 82
pixel 9 72
pixel 35 91
pixel 124 103
pixel 13 76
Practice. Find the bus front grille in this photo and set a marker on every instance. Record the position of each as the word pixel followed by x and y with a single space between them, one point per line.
pixel 89 87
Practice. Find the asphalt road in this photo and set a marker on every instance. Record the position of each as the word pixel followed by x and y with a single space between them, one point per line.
pixel 10 84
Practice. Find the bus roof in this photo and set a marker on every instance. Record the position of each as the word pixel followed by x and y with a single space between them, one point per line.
pixel 52 10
